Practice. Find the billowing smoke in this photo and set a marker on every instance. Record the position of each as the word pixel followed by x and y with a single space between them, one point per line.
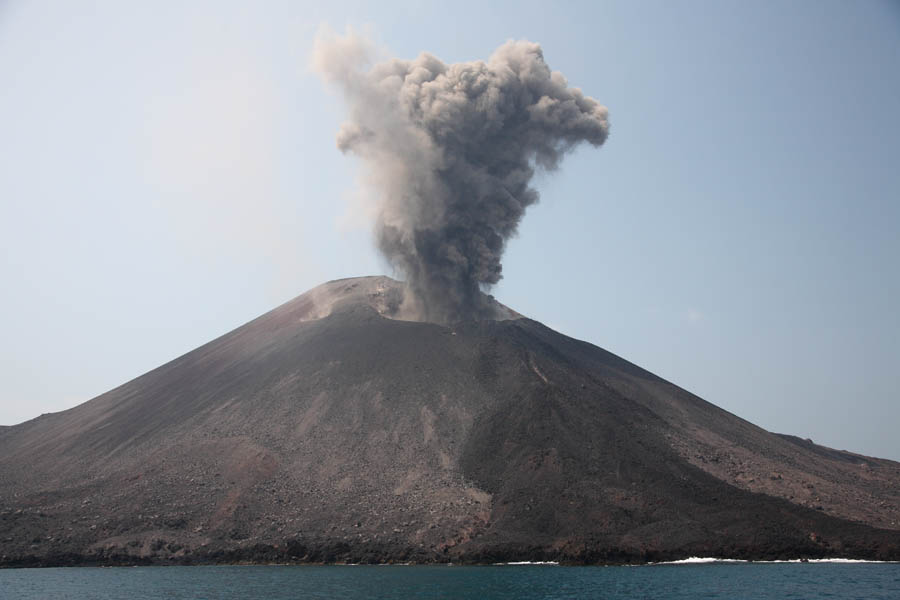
pixel 450 151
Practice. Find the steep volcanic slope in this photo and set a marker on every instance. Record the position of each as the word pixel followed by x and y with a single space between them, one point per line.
pixel 326 430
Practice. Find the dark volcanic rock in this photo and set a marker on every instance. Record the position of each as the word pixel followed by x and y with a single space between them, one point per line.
pixel 326 431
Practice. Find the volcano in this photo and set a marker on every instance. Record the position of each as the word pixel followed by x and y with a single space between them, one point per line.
pixel 336 429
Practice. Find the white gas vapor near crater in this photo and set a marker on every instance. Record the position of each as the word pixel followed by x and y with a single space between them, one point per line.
pixel 449 151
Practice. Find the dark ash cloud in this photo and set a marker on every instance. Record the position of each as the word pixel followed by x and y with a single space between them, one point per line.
pixel 450 151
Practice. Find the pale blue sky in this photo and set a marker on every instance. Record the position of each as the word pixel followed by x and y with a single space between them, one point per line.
pixel 168 173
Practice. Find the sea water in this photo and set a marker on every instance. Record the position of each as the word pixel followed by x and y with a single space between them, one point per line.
pixel 692 580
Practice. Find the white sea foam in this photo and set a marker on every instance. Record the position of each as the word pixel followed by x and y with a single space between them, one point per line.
pixel 846 561
pixel 703 560
pixel 700 560
pixel 528 562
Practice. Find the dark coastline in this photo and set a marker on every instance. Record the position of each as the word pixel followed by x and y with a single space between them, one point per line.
pixel 342 554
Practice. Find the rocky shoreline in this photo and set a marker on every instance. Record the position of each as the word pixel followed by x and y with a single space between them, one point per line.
pixel 295 553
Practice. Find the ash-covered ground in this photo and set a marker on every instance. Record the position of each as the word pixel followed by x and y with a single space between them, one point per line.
pixel 336 429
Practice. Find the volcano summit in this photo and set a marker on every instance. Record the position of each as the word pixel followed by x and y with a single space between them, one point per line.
pixel 331 429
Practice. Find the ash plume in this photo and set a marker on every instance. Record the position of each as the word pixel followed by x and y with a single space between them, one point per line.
pixel 449 150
